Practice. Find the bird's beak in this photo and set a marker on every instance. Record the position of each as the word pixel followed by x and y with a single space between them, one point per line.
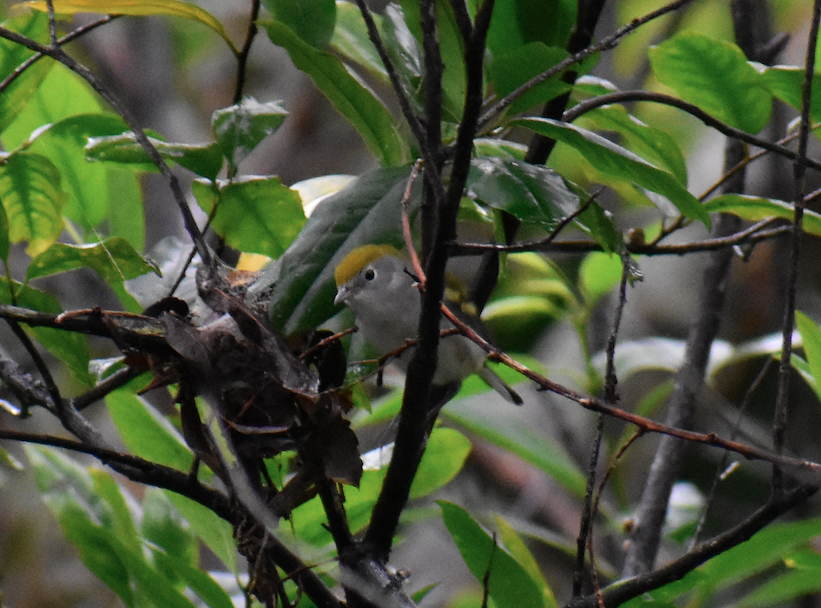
pixel 341 295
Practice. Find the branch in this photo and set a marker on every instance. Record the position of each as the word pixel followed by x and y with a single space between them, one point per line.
pixel 751 235
pixel 73 35
pixel 242 58
pixel 622 591
pixel 627 96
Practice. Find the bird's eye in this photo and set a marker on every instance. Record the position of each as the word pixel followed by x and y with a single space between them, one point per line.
pixel 370 274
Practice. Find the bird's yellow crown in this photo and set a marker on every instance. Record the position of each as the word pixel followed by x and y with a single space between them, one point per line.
pixel 360 257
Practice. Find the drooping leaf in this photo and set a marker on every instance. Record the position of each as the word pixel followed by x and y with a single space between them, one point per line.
pixel 802 578
pixel 312 20
pixel 202 159
pixel 653 144
pixel 115 260
pixel 368 210
pixel 138 8
pixel 765 548
pixel 33 199
pixel 355 102
pixel 755 208
pixel 508 582
pixel 611 159
pixel 514 543
pixel 163 526
pixel 215 532
pixel 240 128
pixel 351 40
pixel 146 433
pixel 531 193
pixel 254 214
pixel 714 75
pixel 122 518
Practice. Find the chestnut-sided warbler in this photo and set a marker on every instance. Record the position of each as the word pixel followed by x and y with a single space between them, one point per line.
pixel 374 282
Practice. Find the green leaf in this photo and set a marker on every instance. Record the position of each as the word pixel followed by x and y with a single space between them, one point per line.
pixel 18 95
pixel 360 106
pixel 5 241
pixel 444 457
pixel 254 214
pixel 715 76
pixel 755 208
pixel 61 95
pixel 312 20
pixel 126 217
pixel 163 526
pixel 519 22
pixel 216 533
pixel 100 551
pixel 138 8
pixel 31 194
pixel 599 274
pixel 811 341
pixel 404 52
pixel 240 128
pixel 513 543
pixel 351 40
pixel 786 83
pixel 454 80
pixel 652 144
pixel 206 588
pixel 787 586
pixel 68 492
pixel 531 193
pixel 367 210
pixel 512 70
pixel 521 439
pixel 122 522
pixel 599 224
pixel 114 259
pixel 508 583
pixel 146 433
pixel 202 159
pixel 764 549
pixel 611 159
pixel 86 183
pixel 71 348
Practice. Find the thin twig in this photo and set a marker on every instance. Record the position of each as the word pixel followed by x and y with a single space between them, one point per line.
pixel 799 172
pixel 722 463
pixel 73 35
pixel 750 235
pixel 650 96
pixel 242 58
pixel 415 124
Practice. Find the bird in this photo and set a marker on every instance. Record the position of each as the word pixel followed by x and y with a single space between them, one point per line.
pixel 375 283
